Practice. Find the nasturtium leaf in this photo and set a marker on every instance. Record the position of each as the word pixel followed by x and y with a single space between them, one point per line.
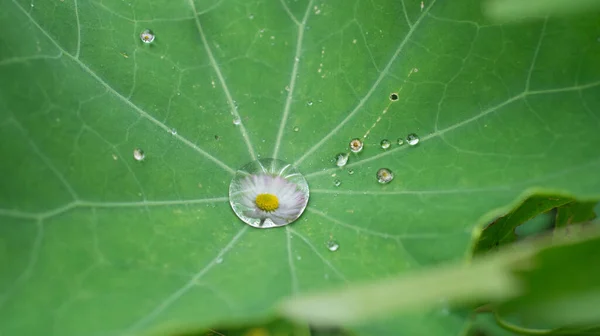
pixel 95 242
pixel 575 213
pixel 502 230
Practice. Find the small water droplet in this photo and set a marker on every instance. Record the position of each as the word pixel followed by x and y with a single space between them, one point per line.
pixel 400 141
pixel 356 145
pixel 350 171
pixel 219 260
pixel 138 154
pixel 341 159
pixel 393 96
pixel 332 245
pixel 173 131
pixel 237 121
pixel 296 129
pixel 309 103
pixel 385 144
pixel 384 176
pixel 299 257
pixel 337 183
pixel 251 16
pixel 412 139
pixel 147 36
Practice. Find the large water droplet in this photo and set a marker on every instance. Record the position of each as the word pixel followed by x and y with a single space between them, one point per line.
pixel 147 36
pixel 356 145
pixel 385 144
pixel 412 139
pixel 384 176
pixel 337 183
pixel 138 154
pixel 268 193
pixel 341 159
pixel 332 245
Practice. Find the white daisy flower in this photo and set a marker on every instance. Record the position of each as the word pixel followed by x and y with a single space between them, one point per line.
pixel 272 199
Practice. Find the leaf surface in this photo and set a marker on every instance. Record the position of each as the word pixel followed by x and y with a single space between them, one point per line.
pixel 93 242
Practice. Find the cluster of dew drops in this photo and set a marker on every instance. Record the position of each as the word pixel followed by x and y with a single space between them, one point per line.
pixel 384 175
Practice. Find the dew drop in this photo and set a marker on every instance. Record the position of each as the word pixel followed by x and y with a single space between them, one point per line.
pixel 296 129
pixel 341 159
pixel 385 144
pixel 251 16
pixel 332 245
pixel 384 176
pixel 138 154
pixel 219 260
pixel 309 103
pixel 284 193
pixel 237 121
pixel 412 139
pixel 350 171
pixel 356 145
pixel 173 131
pixel 147 36
pixel 400 141
pixel 337 183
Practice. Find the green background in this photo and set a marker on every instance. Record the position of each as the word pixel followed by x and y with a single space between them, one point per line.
pixel 93 242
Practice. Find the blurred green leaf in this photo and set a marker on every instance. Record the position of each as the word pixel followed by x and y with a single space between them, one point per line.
pixel 524 277
pixel 509 10
pixel 561 287
pixel 502 230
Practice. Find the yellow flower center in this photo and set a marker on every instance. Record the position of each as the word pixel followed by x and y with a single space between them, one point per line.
pixel 267 202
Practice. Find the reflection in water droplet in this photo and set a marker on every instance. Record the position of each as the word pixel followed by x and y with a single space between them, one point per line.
pixel 173 131
pixel 337 183
pixel 332 245
pixel 356 145
pixel 384 176
pixel 341 159
pixel 350 171
pixel 237 121
pixel 400 141
pixel 147 36
pixel 296 129
pixel 309 103
pixel 138 154
pixel 412 139
pixel 385 144
pixel 268 193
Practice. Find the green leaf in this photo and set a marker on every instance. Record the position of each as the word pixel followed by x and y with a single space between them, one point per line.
pixel 504 10
pixel 94 242
pixel 502 230
pixel 521 279
pixel 556 299
pixel 574 213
